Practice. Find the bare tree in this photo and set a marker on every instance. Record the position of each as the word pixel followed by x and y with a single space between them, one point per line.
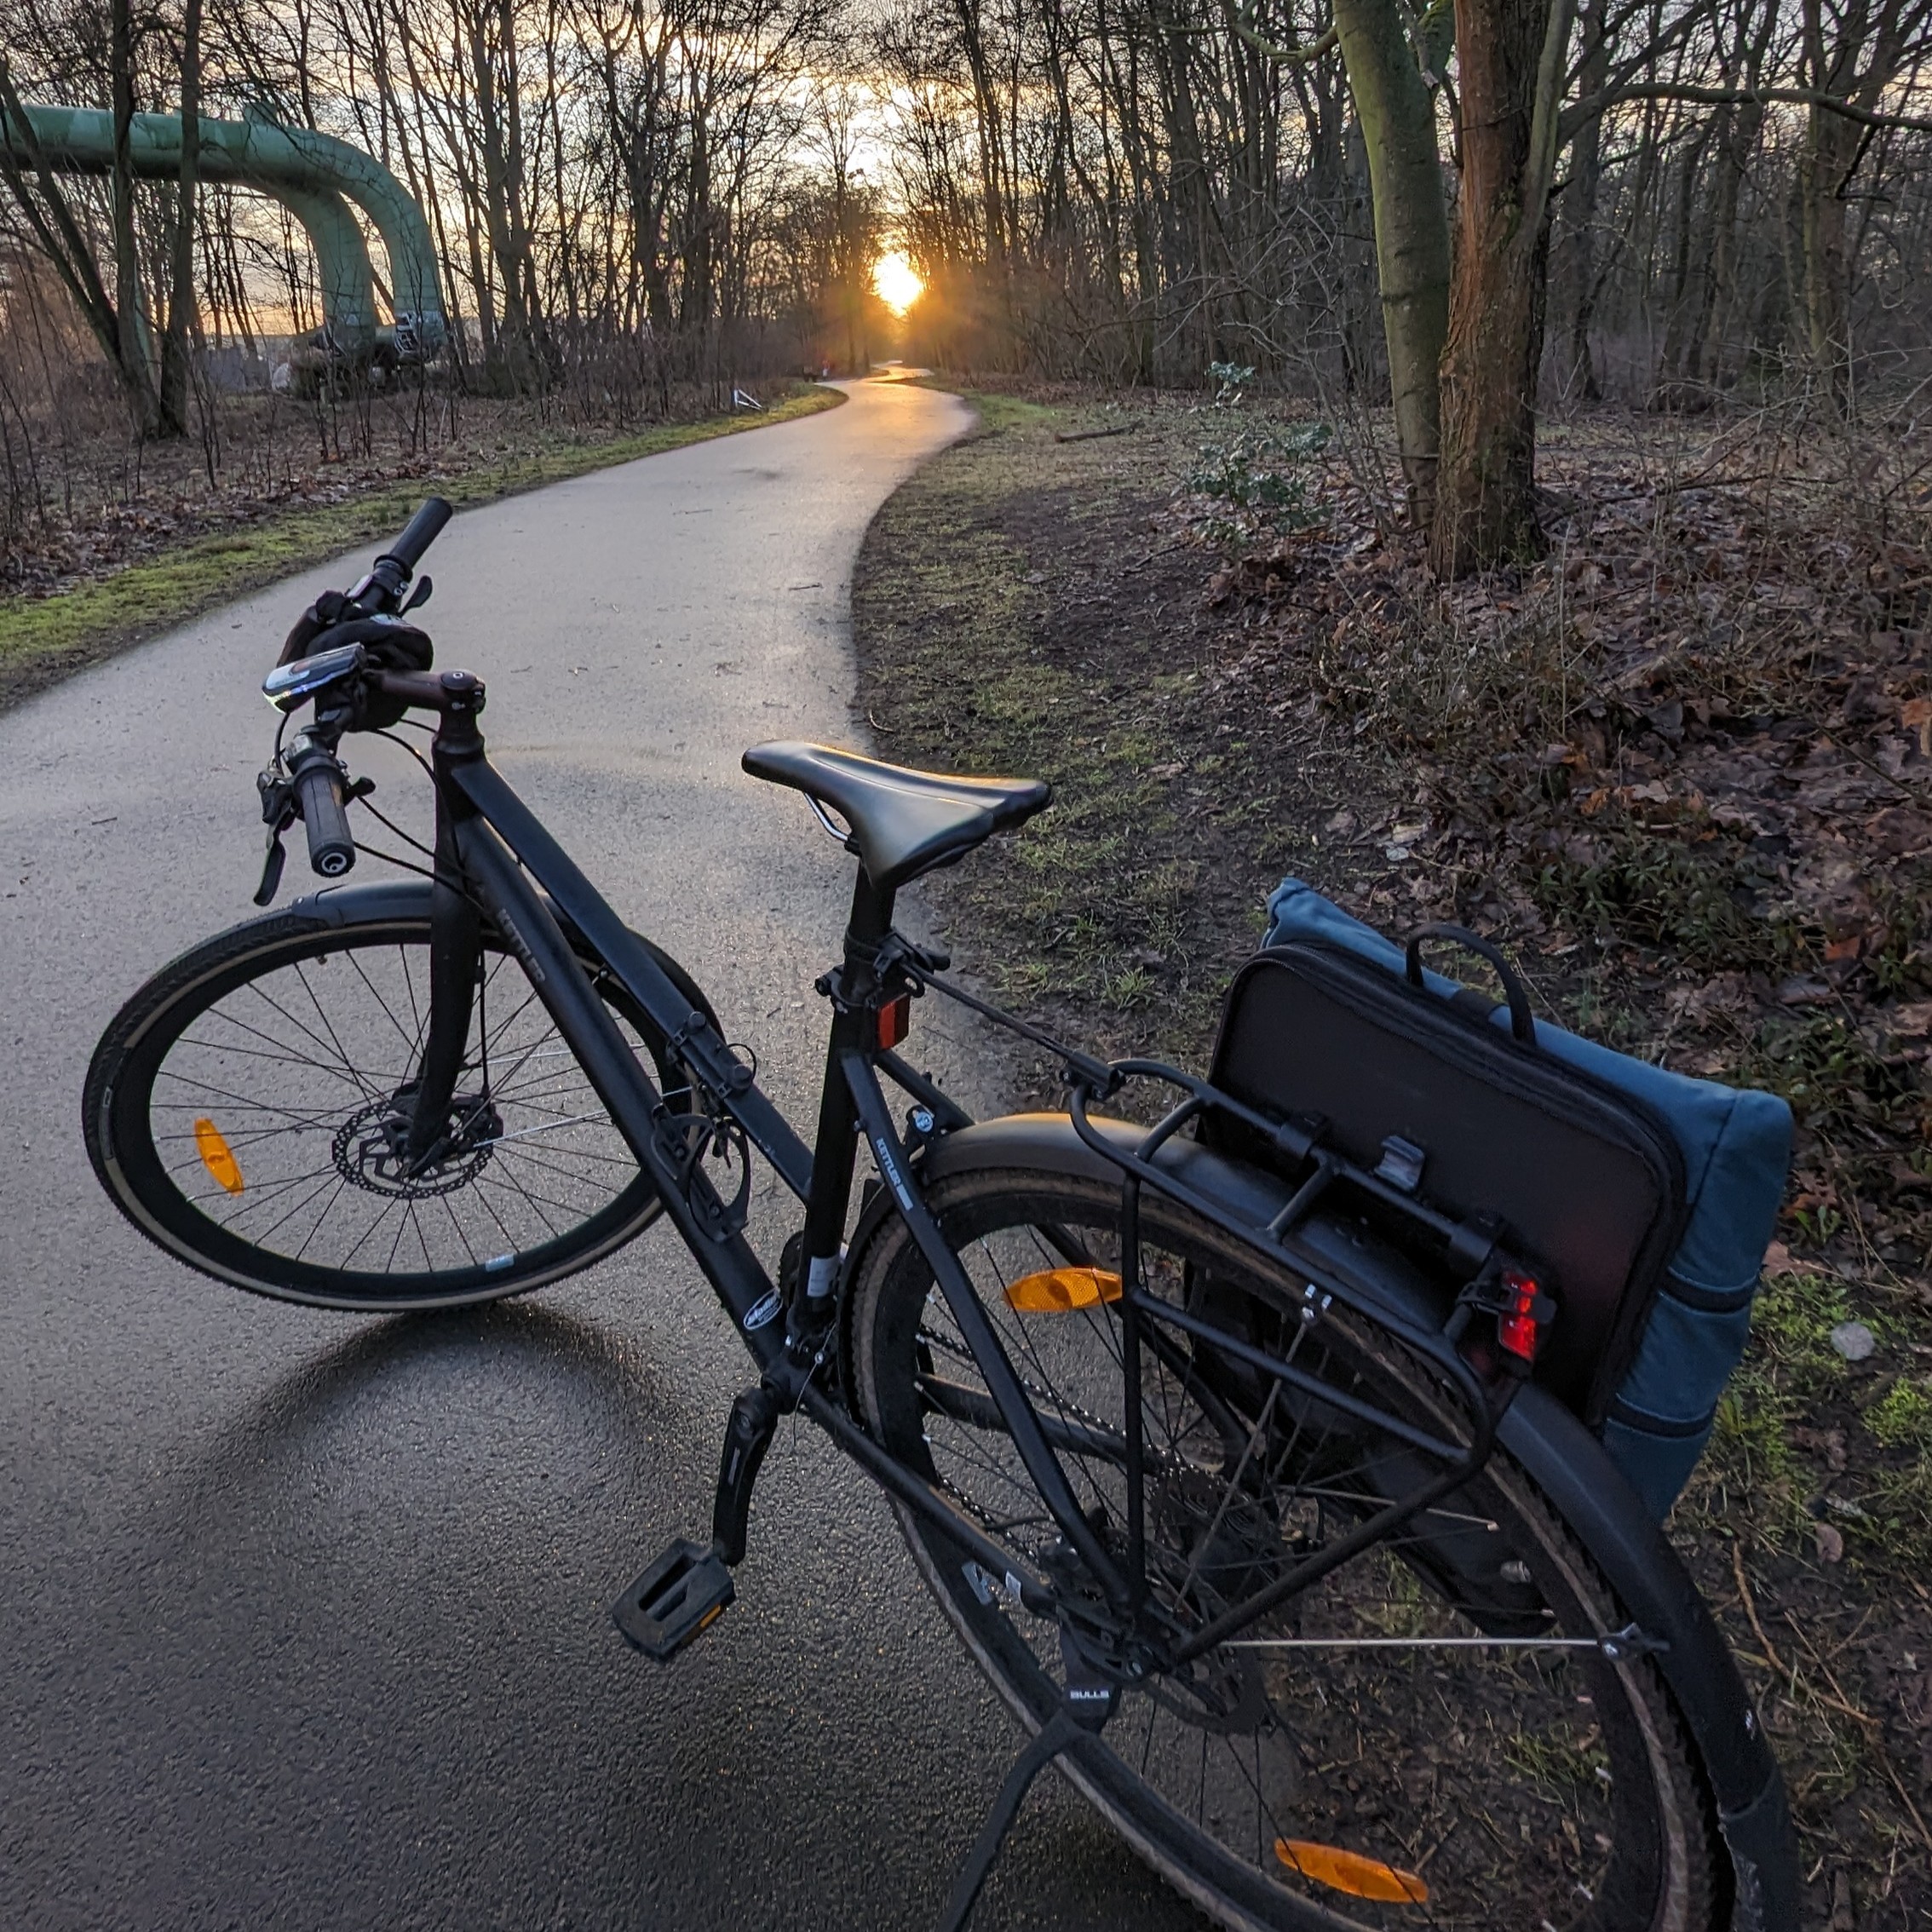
pixel 171 413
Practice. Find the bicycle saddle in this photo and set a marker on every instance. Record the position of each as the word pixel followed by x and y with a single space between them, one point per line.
pixel 903 822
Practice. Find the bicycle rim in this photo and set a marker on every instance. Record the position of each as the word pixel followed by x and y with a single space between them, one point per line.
pixel 240 1112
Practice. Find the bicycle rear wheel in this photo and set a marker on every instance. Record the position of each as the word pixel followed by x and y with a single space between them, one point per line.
pixel 241 1110
pixel 1384 1749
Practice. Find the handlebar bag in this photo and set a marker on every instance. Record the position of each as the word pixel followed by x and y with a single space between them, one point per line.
pixel 1644 1199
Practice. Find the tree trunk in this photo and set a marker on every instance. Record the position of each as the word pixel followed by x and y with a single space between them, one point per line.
pixel 1830 151
pixel 1675 385
pixel 175 343
pixel 1740 146
pixel 134 362
pixel 986 102
pixel 1580 202
pixel 1511 56
pixel 494 78
pixel 1397 115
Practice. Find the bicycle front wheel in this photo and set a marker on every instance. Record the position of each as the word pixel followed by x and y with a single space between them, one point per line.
pixel 1427 1735
pixel 241 1111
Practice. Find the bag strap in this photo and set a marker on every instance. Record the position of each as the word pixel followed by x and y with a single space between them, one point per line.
pixel 1514 991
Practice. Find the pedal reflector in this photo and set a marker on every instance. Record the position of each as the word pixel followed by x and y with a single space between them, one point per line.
pixel 678 1598
pixel 1054 1291
pixel 1351 1873
pixel 216 1156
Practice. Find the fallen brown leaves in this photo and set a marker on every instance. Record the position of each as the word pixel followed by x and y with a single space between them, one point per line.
pixel 82 501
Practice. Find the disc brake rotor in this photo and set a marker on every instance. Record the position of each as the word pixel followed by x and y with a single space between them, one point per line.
pixel 370 1149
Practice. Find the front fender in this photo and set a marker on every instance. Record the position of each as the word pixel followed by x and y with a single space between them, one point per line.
pixel 361 904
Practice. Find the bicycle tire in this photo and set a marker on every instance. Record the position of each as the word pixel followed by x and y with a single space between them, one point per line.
pixel 178 1202
pixel 1661 1866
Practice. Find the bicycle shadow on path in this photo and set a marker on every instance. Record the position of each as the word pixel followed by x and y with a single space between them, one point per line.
pixel 335 1557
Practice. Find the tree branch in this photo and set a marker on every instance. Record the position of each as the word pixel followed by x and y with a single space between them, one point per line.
pixel 1240 20
pixel 53 225
pixel 1738 97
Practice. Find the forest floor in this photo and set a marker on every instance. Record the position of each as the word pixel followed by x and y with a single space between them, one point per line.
pixel 123 541
pixel 1681 769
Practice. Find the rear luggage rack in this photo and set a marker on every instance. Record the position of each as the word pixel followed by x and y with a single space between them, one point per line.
pixel 1478 1375
pixel 1482 1396
pixel 1472 1244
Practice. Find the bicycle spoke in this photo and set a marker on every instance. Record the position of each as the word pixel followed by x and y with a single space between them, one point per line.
pixel 388 1011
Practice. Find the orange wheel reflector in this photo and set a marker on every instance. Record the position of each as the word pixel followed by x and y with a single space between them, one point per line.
pixel 1054 1290
pixel 215 1156
pixel 1349 1871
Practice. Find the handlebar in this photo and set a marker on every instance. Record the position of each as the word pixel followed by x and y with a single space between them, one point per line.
pixel 388 577
pixel 319 799
pixel 421 532
pixel 344 678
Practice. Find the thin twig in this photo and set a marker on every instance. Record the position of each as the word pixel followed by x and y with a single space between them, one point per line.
pixel 1750 1607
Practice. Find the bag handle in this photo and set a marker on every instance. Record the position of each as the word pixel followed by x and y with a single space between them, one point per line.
pixel 1514 991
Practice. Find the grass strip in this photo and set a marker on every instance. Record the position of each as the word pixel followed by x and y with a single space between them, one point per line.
pixel 1012 612
pixel 44 639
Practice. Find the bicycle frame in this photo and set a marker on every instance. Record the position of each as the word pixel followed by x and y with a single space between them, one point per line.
pixel 513 872
pixel 490 840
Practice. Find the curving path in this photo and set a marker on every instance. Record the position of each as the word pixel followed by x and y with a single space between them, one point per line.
pixel 303 1622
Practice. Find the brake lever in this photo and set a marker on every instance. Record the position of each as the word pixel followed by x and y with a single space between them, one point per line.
pixel 272 864
pixel 278 814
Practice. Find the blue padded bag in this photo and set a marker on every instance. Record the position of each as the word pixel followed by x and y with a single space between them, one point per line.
pixel 1736 1144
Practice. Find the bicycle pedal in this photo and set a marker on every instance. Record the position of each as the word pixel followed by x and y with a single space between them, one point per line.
pixel 679 1598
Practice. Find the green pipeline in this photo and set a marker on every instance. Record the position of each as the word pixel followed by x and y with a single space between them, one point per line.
pixel 311 175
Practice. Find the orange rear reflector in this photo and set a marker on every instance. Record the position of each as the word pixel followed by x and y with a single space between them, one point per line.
pixel 1054 1290
pixel 895 1021
pixel 1349 1871
pixel 215 1156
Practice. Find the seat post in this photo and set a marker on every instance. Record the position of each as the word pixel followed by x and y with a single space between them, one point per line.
pixel 833 1154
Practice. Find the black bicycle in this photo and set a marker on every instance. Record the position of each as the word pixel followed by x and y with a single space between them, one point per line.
pixel 1241 1498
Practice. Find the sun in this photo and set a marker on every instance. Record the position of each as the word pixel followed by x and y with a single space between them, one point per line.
pixel 898 283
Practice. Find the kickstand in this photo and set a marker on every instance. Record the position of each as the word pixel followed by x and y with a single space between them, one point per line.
pixel 1046 1743
pixel 1082 1712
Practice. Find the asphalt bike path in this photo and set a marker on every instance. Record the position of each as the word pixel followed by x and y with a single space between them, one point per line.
pixel 304 1621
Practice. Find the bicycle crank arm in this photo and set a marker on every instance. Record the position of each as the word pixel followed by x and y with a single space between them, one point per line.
pixel 748 1435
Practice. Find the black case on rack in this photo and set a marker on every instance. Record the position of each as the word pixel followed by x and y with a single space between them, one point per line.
pixel 1587 1184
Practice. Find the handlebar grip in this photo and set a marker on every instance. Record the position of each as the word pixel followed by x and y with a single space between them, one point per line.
pixel 318 793
pixel 420 532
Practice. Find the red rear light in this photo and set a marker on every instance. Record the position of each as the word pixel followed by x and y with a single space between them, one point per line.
pixel 1516 1326
pixel 895 1022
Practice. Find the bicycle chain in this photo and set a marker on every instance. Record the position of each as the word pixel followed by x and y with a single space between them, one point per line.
pixel 1070 1411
